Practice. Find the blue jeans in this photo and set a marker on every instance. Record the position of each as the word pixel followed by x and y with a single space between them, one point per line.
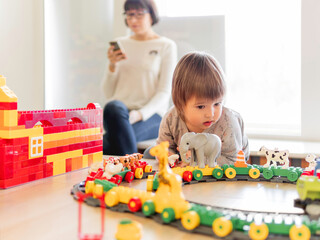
pixel 121 137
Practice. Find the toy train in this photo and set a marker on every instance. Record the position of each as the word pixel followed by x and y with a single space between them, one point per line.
pixel 168 203
pixel 239 171
pixel 117 169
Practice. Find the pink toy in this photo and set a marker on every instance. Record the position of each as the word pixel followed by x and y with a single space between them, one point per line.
pixel 82 236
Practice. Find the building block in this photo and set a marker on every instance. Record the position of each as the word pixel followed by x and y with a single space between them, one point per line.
pixel 44 143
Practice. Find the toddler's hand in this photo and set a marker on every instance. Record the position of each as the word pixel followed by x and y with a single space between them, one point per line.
pixel 188 154
pixel 134 116
pixel 182 164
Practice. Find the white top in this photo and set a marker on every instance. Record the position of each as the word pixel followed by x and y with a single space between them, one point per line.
pixel 143 80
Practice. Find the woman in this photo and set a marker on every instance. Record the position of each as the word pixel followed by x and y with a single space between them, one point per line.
pixel 138 81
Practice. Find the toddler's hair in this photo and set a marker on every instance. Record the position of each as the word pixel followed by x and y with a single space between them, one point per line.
pixel 197 74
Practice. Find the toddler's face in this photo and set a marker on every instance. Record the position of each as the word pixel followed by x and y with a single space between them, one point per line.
pixel 201 113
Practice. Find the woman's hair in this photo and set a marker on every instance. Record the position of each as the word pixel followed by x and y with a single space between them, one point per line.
pixel 197 74
pixel 149 5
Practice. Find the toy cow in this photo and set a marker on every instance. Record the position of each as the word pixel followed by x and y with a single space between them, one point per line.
pixel 275 156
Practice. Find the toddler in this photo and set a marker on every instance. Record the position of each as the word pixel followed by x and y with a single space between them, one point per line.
pixel 198 91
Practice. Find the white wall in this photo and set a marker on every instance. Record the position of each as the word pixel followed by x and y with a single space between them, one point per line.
pixel 22 55
pixel 21 49
pixel 119 27
pixel 310 69
pixel 76 40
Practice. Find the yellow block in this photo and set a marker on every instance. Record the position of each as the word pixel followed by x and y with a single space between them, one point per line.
pixel 69 134
pixel 2 80
pixel 6 94
pixel 71 154
pixel 97 157
pixel 207 171
pixel 59 167
pixel 10 118
pixel 126 193
pixel 85 161
pixel 19 133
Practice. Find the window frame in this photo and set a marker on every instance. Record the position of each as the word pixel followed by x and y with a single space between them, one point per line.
pixel 36 146
pixel 310 75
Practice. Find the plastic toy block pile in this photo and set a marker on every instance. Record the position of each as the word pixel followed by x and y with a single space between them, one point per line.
pixel 39 144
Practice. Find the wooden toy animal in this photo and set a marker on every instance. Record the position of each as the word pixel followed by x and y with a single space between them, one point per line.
pixel 112 167
pixel 275 156
pixel 311 159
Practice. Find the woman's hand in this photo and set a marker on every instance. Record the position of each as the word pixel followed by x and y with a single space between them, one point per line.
pixel 114 57
pixel 134 116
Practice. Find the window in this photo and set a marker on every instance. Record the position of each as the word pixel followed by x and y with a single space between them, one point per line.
pixel 36 144
pixel 262 59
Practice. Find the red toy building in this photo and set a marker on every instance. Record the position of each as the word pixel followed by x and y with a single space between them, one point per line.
pixel 39 144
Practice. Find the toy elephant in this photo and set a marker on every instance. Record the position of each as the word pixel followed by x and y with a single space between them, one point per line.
pixel 205 148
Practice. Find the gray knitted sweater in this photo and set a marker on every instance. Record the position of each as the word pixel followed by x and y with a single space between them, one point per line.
pixel 229 128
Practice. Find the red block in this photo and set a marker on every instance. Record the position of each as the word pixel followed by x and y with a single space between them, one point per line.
pixel 48 170
pixel 68 164
pixel 6 171
pixel 59 114
pixel 92 150
pixel 8 105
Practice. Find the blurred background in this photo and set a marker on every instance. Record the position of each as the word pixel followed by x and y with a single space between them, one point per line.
pixel 53 53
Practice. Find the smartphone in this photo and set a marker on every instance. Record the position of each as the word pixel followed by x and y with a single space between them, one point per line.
pixel 116 46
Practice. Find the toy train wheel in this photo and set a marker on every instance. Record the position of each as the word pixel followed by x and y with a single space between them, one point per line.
pixel 254 173
pixel 134 204
pixel 148 208
pixel 89 187
pixel 111 198
pixel 258 232
pixel 118 179
pixel 187 176
pixel 138 173
pixel 148 168
pixel 97 191
pixel 267 173
pixel 217 173
pixel 299 233
pixel 292 176
pixel 190 220
pixel 129 177
pixel 222 226
pixel 230 173
pixel 167 215
pixel 197 175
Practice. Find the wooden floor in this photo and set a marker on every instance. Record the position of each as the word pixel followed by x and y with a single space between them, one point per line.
pixel 44 209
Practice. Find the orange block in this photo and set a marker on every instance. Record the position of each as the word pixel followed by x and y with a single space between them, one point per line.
pixel 90 159
pixel 76 163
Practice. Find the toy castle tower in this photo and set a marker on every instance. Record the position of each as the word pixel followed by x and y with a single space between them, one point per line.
pixel 8 107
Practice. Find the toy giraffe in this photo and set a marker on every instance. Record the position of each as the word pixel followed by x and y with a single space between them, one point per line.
pixel 169 193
